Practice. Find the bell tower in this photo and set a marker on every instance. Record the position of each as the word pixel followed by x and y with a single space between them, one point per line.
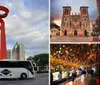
pixel 85 20
pixel 66 11
pixel 84 11
pixel 65 24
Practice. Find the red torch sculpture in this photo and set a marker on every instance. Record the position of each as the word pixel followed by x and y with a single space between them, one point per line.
pixel 3 50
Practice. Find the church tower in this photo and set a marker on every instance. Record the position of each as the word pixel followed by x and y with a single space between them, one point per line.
pixel 85 20
pixel 66 11
pixel 65 24
pixel 84 11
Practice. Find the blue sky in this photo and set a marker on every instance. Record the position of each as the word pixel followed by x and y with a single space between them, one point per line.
pixel 56 7
pixel 27 23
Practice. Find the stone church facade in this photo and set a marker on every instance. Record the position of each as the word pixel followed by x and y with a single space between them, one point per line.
pixel 75 24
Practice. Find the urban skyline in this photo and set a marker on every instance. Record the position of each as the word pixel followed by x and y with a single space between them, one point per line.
pixel 17 52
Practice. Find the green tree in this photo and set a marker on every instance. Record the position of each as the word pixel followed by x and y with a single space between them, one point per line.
pixel 97 27
pixel 40 59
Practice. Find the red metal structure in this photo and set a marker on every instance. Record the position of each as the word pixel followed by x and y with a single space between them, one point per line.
pixel 3 50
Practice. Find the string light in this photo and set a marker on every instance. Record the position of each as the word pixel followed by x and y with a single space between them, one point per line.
pixel 71 55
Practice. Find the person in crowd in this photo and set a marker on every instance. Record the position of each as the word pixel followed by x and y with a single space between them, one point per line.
pixel 67 75
pixel 73 75
pixel 60 77
pixel 83 72
pixel 91 71
pixel 98 77
pixel 78 72
pixel 51 76
pixel 94 71
pixel 86 72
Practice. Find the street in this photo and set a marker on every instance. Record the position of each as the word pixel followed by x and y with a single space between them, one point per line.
pixel 41 79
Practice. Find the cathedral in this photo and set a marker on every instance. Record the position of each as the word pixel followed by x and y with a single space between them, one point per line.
pixel 75 24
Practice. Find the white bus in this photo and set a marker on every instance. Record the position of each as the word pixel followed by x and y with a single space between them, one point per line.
pixel 17 69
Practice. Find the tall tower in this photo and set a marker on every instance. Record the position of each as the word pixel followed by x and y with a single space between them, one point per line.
pixel 66 11
pixel 84 11
pixel 65 24
pixel 18 51
pixel 3 50
pixel 85 20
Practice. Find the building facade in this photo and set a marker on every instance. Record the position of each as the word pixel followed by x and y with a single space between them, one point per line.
pixel 98 7
pixel 9 54
pixel 75 24
pixel 92 25
pixel 18 52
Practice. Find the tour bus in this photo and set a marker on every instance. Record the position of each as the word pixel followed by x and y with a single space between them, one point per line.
pixel 17 69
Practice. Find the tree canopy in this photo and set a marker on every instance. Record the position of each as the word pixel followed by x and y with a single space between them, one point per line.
pixel 40 59
pixel 97 27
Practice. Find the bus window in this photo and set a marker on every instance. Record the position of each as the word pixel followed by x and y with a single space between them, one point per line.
pixel 35 68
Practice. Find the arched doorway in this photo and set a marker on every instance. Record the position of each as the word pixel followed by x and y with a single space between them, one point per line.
pixel 65 32
pixel 75 32
pixel 85 32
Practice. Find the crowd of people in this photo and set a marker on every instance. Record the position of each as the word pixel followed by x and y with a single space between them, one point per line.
pixel 71 75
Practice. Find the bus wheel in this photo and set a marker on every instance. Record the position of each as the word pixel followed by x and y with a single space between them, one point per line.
pixel 23 76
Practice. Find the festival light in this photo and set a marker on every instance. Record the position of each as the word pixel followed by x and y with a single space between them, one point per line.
pixel 69 55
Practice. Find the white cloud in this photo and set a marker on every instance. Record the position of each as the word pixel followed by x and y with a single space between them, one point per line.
pixel 26 26
pixel 26 14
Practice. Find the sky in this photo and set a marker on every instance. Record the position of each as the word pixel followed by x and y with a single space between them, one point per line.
pixel 27 23
pixel 57 10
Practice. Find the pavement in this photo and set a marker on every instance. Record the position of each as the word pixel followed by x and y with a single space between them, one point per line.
pixel 72 39
pixel 41 79
pixel 92 81
pixel 82 80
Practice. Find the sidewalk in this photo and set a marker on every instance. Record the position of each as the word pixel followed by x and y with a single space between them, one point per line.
pixel 93 81
pixel 82 80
